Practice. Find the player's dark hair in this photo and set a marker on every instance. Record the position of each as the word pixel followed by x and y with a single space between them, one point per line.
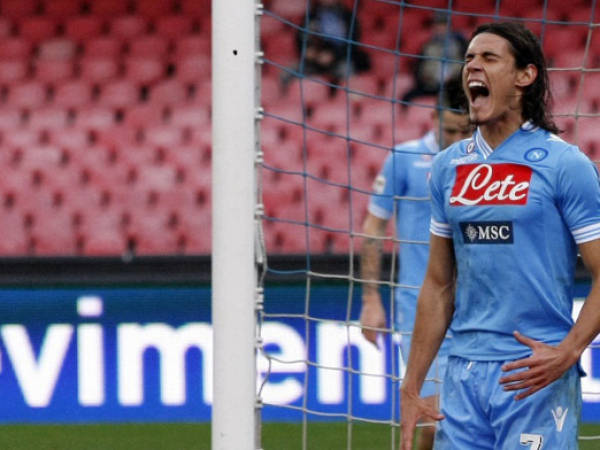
pixel 453 97
pixel 526 49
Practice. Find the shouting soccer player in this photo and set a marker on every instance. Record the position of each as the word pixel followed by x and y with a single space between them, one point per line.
pixel 510 208
pixel 401 189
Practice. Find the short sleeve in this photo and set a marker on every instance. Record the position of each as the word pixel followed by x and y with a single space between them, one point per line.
pixel 579 196
pixel 439 224
pixel 387 184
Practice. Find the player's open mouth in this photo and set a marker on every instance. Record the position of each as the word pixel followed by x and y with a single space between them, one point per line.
pixel 477 89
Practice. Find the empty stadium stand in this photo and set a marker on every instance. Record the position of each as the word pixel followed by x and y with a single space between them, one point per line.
pixel 105 122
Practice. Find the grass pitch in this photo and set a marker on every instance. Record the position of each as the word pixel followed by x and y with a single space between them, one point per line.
pixel 177 436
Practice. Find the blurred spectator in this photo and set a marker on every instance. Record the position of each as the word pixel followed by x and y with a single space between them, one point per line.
pixel 324 43
pixel 433 68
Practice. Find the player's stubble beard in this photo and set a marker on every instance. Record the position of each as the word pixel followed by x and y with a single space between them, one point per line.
pixel 514 104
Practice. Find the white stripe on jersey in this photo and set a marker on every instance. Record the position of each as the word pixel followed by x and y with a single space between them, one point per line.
pixel 585 234
pixel 440 229
pixel 379 212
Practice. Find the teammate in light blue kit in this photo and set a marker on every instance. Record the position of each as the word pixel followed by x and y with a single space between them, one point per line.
pixel 402 192
pixel 510 208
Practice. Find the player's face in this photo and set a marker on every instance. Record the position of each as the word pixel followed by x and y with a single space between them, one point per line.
pixel 491 80
pixel 455 127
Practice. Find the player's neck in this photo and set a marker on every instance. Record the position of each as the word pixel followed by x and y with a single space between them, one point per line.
pixel 497 131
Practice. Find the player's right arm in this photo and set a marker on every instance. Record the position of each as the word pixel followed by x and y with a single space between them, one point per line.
pixel 435 307
pixel 372 315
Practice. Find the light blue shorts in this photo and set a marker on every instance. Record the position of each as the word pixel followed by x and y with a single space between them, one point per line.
pixel 436 373
pixel 480 415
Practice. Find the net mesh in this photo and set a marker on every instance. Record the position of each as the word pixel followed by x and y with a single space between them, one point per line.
pixel 324 137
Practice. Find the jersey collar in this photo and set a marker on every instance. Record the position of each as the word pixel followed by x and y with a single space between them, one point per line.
pixel 485 148
pixel 431 142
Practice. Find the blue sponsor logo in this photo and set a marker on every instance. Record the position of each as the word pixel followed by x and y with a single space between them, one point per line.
pixel 487 232
pixel 536 154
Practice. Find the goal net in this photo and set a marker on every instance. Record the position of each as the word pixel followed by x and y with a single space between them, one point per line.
pixel 325 131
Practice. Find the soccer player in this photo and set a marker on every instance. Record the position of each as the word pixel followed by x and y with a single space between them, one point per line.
pixel 510 208
pixel 405 174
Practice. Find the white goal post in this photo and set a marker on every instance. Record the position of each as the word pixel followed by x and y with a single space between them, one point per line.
pixel 234 138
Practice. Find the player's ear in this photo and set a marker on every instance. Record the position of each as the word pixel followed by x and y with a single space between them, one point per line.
pixel 526 76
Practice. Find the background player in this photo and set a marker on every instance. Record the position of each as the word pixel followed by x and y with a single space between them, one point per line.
pixel 509 208
pixel 405 174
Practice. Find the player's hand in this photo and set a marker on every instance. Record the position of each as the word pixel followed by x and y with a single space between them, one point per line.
pixel 545 365
pixel 372 315
pixel 413 409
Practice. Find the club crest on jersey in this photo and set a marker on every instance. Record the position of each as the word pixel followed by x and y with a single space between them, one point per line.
pixel 487 232
pixel 491 184
pixel 536 154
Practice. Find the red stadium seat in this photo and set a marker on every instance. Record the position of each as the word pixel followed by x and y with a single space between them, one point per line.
pixel 15 241
pixel 168 92
pixel 195 8
pixel 37 28
pixel 193 68
pixel 562 84
pixel 21 138
pixel 189 116
pixel 73 94
pixel 307 90
pixel 52 233
pixel 31 94
pixel 174 26
pixel 98 69
pixel 109 8
pixel 163 136
pixel 192 45
pixel 6 28
pixel 18 8
pixel 15 47
pixel 62 8
pixel 293 11
pixel 154 9
pixel 43 157
pixel 118 136
pixel 82 28
pixel 53 71
pixel 102 232
pixel 57 49
pixel 138 155
pixel 103 46
pixel 99 157
pixel 119 93
pixel 128 27
pixel 203 93
pixel 76 139
pixel 144 69
pixel 49 117
pixel 13 70
pixel 159 178
pixel 10 118
pixel 144 114
pixel 396 87
pixel 148 46
pixel 95 118
pixel 187 157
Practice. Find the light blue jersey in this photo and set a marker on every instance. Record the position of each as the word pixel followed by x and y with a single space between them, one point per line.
pixel 515 215
pixel 402 192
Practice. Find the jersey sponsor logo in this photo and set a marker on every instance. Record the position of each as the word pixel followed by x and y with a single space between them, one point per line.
pixel 487 232
pixel 536 154
pixel 559 414
pixel 491 184
pixel 464 159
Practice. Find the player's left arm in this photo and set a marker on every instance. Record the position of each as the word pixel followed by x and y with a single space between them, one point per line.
pixel 548 363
